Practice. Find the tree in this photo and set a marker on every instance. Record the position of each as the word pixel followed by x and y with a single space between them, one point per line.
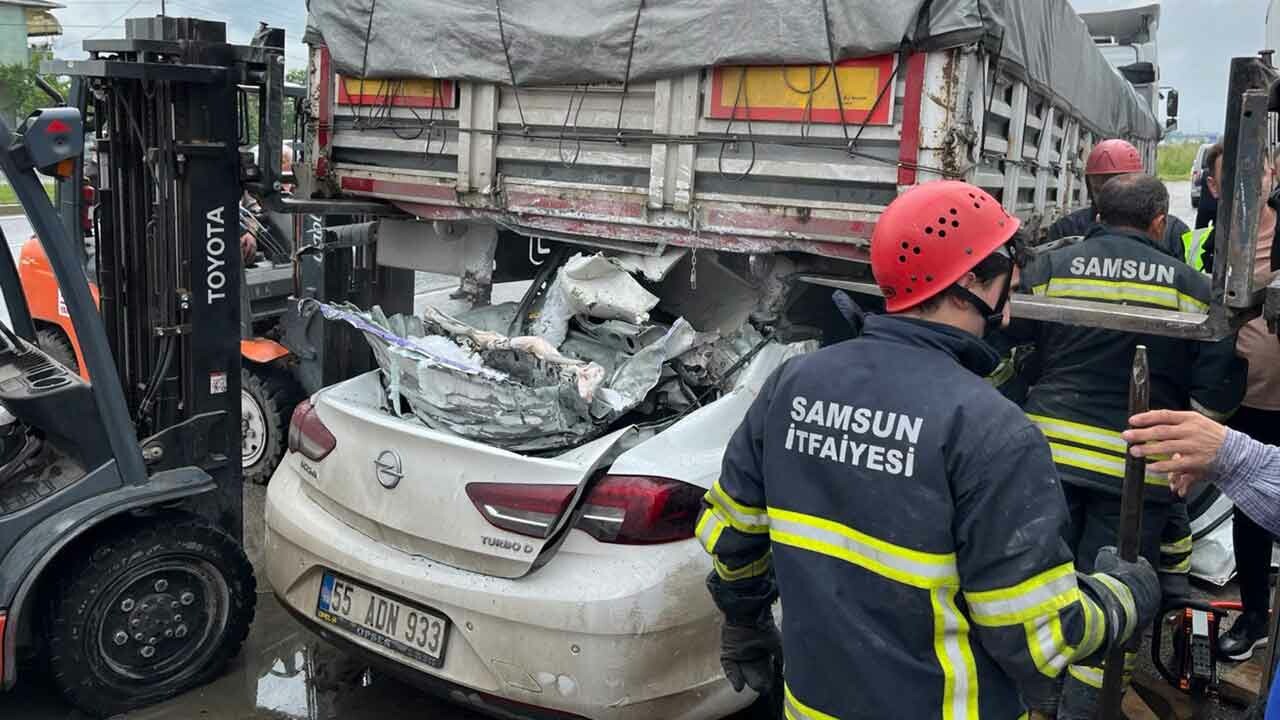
pixel 19 94
pixel 288 116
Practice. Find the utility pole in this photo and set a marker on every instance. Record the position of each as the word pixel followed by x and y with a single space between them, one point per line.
pixel 162 12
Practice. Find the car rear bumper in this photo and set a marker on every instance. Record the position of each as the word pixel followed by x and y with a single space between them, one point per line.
pixel 598 632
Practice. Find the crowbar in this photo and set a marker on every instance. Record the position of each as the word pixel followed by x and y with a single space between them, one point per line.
pixel 1130 535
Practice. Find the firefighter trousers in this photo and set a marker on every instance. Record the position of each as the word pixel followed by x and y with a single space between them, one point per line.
pixel 1095 524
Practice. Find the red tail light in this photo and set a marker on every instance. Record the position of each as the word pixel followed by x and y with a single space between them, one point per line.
pixel 638 510
pixel 525 509
pixel 307 433
pixel 2 622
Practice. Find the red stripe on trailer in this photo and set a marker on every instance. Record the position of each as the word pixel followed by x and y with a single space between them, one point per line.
pixel 909 148
pixel 324 123
pixel 785 220
pixel 384 188
pixel 554 227
pixel 566 201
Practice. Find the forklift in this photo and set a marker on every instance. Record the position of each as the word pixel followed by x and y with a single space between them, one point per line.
pixel 122 568
pixel 121 511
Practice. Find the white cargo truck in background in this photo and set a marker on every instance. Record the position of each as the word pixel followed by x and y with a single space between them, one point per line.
pixel 752 158
pixel 1127 37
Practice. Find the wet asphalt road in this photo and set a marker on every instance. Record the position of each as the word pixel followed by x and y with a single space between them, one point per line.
pixel 285 672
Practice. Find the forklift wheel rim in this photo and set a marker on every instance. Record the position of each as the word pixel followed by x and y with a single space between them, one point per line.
pixel 253 424
pixel 208 613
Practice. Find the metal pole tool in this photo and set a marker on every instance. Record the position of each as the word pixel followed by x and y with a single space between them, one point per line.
pixel 1130 535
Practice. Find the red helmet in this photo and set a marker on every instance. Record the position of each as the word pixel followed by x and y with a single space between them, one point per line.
pixel 933 234
pixel 1114 157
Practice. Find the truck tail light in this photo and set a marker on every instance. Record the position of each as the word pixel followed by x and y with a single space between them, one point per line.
pixel 3 617
pixel 525 509
pixel 307 433
pixel 640 510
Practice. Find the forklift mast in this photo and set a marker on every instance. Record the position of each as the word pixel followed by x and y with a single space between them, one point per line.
pixel 167 103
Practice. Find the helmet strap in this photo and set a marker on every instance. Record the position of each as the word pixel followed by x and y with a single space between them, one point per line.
pixel 993 317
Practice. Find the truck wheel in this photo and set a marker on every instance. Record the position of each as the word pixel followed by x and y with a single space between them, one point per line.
pixel 267 398
pixel 153 608
pixel 56 345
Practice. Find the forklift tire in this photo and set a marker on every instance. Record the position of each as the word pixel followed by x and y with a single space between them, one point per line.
pixel 267 399
pixel 118 638
pixel 57 346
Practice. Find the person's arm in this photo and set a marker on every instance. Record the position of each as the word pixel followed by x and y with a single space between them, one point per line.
pixel 734 529
pixel 1031 611
pixel 1191 447
pixel 1219 376
pixel 734 524
pixel 1248 472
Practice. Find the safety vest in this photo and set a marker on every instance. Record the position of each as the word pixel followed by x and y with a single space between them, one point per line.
pixel 1193 246
pixel 888 488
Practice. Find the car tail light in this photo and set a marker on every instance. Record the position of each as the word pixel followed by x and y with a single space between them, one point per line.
pixel 639 510
pixel 525 509
pixel 307 433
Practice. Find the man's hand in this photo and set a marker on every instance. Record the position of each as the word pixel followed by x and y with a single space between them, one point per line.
pixel 248 246
pixel 748 654
pixel 1190 441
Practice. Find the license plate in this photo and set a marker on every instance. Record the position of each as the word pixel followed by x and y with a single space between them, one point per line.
pixel 401 627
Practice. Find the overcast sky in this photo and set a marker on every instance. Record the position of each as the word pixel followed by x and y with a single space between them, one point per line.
pixel 1197 37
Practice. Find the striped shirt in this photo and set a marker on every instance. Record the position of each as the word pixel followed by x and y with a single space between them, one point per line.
pixel 1248 472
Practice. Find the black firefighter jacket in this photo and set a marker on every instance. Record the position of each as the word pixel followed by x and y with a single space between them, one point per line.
pixel 1078 392
pixel 912 518
pixel 1083 221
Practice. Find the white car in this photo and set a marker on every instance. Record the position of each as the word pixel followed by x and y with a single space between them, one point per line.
pixel 1197 174
pixel 562 586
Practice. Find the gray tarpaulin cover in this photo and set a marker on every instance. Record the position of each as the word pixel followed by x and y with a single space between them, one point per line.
pixel 582 41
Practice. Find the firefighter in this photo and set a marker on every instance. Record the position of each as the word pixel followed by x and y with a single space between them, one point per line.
pixel 1109 159
pixel 1079 397
pixel 907 515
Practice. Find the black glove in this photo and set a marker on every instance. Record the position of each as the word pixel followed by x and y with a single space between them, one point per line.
pixel 1175 589
pixel 1126 616
pixel 748 654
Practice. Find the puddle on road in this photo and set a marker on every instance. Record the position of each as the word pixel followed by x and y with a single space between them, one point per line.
pixel 284 673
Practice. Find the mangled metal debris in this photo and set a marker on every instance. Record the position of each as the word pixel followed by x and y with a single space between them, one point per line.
pixel 593 358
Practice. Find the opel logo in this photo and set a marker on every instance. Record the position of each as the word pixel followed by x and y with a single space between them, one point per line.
pixel 388 469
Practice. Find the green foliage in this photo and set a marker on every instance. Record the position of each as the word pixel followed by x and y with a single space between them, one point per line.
pixel 9 197
pixel 289 116
pixel 19 96
pixel 1173 160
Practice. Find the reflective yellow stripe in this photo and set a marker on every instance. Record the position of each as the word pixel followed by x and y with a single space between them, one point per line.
pixel 797 710
pixel 1182 545
pixel 1090 676
pixel 827 537
pixel 1125 596
pixel 741 517
pixel 1079 433
pixel 1095 628
pixel 1097 462
pixel 1003 372
pixel 1039 289
pixel 1049 648
pixel 755 569
pixel 1035 597
pixel 951 645
pixel 1120 291
pixel 709 529
pixel 1182 567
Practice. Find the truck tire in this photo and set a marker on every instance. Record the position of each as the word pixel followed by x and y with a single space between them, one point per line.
pixel 150 609
pixel 56 345
pixel 267 399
